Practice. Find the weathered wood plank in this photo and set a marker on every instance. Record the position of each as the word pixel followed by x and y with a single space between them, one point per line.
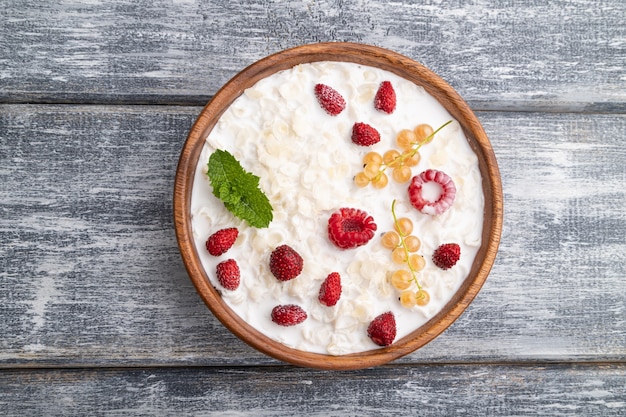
pixel 90 272
pixel 557 55
pixel 493 390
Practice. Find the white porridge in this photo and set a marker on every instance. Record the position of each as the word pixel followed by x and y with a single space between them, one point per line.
pixel 307 162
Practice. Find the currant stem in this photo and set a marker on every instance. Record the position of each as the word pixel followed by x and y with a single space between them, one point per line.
pixel 403 244
pixel 411 154
pixel 432 135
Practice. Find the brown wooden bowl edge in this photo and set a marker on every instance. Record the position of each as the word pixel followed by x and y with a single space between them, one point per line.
pixel 368 55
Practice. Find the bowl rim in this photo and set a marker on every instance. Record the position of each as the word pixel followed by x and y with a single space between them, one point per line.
pixel 366 55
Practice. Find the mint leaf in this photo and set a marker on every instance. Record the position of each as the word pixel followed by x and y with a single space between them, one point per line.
pixel 239 190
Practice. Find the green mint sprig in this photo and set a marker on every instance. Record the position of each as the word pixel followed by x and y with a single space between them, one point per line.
pixel 239 190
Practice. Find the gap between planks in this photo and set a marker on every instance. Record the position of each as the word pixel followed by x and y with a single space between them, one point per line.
pixel 512 106
pixel 285 366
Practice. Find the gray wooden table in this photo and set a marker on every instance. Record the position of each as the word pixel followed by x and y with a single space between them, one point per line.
pixel 97 314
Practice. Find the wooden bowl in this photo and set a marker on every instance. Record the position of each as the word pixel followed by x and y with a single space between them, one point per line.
pixel 403 67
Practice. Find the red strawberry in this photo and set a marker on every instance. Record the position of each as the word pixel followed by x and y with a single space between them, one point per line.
pixel 219 242
pixel 385 99
pixel 447 255
pixel 382 330
pixel 330 290
pixel 329 99
pixel 288 315
pixel 349 228
pixel 364 134
pixel 285 263
pixel 228 274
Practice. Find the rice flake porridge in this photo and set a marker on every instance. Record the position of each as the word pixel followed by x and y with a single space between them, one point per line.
pixel 307 162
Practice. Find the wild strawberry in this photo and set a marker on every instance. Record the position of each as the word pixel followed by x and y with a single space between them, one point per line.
pixel 438 204
pixel 329 99
pixel 385 99
pixel 285 263
pixel 447 255
pixel 288 315
pixel 219 242
pixel 330 290
pixel 382 330
pixel 349 228
pixel 228 274
pixel 364 134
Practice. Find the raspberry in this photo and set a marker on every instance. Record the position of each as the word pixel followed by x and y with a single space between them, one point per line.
pixel 447 255
pixel 329 99
pixel 364 134
pixel 330 290
pixel 349 228
pixel 382 330
pixel 445 199
pixel 385 99
pixel 288 315
pixel 219 242
pixel 228 274
pixel 285 263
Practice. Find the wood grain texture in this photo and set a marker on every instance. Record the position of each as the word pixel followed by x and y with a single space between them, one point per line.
pixel 90 273
pixel 558 55
pixel 553 390
pixel 97 314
